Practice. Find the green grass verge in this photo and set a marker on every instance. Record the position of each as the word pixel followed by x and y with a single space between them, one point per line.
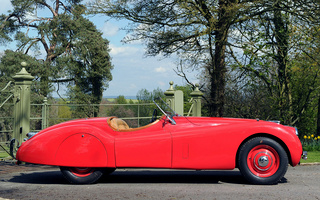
pixel 3 154
pixel 313 156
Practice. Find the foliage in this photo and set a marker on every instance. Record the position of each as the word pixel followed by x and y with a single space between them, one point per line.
pixel 266 50
pixel 145 97
pixel 6 124
pixel 89 65
pixel 64 112
pixel 75 52
pixel 275 67
pixel 246 100
pixel 11 64
pixel 197 31
pixel 121 110
pixel 311 143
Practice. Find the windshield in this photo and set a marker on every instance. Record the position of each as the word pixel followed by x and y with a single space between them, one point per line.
pixel 165 109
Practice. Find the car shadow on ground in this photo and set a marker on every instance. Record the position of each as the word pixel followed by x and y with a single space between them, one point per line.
pixel 174 176
pixel 138 176
pixel 41 177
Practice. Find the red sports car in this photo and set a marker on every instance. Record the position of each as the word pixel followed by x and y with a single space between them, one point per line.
pixel 85 149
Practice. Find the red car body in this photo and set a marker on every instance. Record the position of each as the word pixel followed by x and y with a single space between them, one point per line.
pixel 80 146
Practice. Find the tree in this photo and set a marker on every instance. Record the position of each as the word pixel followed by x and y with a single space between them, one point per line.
pixel 124 111
pixel 279 50
pixel 306 82
pixel 11 64
pixel 89 65
pixel 196 30
pixel 270 41
pixel 75 51
pixel 145 98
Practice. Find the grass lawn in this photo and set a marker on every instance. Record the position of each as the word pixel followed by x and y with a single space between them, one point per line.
pixel 313 156
pixel 3 154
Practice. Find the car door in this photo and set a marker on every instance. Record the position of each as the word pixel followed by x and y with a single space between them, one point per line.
pixel 144 147
pixel 196 145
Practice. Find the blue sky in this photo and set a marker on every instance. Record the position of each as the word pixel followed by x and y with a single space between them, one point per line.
pixel 132 70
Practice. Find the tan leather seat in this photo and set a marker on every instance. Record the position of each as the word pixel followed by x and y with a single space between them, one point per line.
pixel 118 124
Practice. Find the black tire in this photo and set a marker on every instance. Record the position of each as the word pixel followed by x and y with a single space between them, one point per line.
pixel 82 175
pixel 262 161
pixel 107 171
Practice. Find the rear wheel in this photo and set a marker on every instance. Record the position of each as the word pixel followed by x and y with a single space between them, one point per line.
pixel 262 161
pixel 82 175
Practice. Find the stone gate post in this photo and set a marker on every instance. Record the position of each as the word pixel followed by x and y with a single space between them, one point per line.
pixel 21 100
pixel 170 95
pixel 196 96
pixel 174 98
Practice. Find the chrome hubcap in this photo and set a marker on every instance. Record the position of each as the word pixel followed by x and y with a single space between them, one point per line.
pixel 263 161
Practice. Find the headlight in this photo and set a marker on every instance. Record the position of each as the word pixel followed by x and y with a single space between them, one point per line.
pixel 31 134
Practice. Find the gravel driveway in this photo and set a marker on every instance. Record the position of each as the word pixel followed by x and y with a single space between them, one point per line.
pixel 43 182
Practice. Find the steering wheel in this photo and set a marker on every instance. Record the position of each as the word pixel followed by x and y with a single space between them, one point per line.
pixel 154 115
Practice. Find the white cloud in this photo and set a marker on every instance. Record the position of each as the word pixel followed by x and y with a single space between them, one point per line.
pixel 109 29
pixel 133 72
pixel 133 86
pixel 162 84
pixel 160 69
pixel 123 50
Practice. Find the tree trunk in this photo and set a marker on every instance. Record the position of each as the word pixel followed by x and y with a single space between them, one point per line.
pixel 218 72
pixel 281 56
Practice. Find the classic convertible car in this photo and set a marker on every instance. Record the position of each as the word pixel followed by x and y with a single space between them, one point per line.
pixel 86 149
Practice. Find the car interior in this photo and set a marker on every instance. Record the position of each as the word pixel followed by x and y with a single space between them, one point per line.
pixel 120 125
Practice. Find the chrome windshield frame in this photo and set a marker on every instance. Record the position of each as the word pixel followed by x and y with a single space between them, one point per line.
pixel 169 117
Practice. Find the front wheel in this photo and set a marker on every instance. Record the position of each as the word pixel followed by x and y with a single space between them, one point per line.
pixel 262 161
pixel 82 175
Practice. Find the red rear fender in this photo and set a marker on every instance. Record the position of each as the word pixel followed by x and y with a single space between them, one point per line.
pixel 76 145
pixel 81 150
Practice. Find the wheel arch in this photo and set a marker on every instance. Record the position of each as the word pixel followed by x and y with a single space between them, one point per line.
pixel 81 150
pixel 85 146
pixel 278 140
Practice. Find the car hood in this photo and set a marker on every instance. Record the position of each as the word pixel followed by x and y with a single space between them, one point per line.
pixel 230 122
pixel 214 121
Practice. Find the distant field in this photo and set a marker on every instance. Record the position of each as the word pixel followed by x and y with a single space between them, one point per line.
pixel 112 100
